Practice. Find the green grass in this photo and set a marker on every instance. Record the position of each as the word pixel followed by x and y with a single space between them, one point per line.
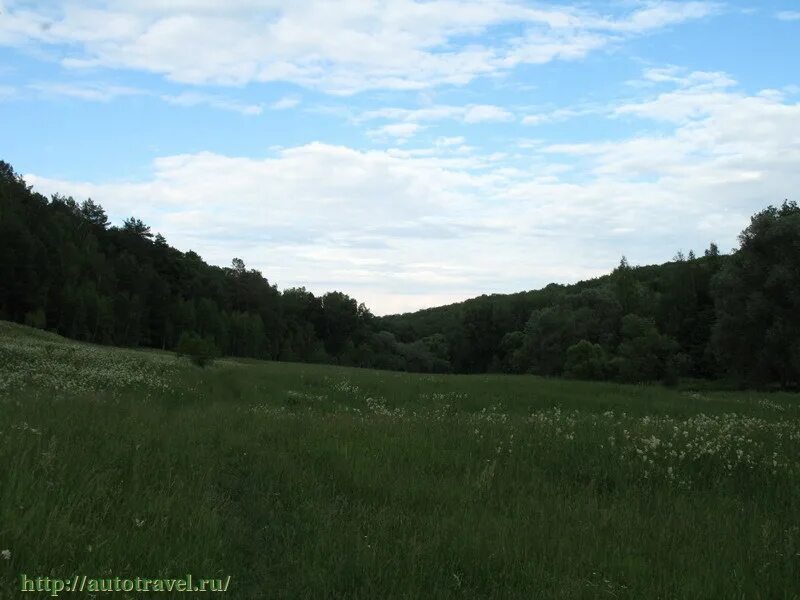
pixel 309 481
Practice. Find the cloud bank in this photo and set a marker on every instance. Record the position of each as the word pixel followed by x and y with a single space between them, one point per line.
pixel 404 229
pixel 339 47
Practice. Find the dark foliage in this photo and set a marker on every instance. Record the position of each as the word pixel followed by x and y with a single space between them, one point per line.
pixel 756 336
pixel 715 316
pixel 64 268
pixel 201 351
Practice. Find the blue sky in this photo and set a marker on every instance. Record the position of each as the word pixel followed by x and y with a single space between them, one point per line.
pixel 410 153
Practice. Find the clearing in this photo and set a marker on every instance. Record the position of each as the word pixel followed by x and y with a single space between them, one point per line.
pixel 313 481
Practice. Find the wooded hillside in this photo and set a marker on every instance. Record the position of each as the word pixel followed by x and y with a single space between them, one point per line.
pixel 64 268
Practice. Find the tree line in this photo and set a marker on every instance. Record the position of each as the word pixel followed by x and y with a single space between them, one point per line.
pixel 725 317
pixel 65 268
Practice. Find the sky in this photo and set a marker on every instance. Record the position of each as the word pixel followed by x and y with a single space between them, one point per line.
pixel 407 153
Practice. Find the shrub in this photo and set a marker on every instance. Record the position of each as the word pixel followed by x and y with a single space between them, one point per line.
pixel 201 351
pixel 586 360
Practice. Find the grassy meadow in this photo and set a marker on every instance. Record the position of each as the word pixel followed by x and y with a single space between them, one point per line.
pixel 310 481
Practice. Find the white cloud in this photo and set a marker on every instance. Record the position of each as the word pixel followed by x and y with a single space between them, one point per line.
pixel 445 141
pixel 485 113
pixel 535 119
pixel 560 114
pixel 101 92
pixel 214 101
pixel 400 131
pixel 470 113
pixel 789 15
pixel 429 113
pixel 689 95
pixel 94 92
pixel 342 47
pixel 402 229
pixel 728 143
pixel 697 93
pixel 662 14
pixel 285 102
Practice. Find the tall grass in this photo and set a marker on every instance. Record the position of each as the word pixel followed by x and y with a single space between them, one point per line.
pixel 305 481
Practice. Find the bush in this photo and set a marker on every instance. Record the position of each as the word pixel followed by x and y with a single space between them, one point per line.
pixel 201 351
pixel 586 360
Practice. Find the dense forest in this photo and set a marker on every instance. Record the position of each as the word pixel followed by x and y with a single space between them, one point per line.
pixel 65 268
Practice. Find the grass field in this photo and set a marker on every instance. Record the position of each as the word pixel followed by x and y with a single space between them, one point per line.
pixel 309 481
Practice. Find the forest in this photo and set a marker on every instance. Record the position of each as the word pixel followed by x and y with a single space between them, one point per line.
pixel 732 317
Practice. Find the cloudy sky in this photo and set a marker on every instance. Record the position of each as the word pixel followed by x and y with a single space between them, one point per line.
pixel 410 153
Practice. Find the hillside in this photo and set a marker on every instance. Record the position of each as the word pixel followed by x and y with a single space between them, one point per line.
pixel 66 269
pixel 429 321
pixel 532 331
